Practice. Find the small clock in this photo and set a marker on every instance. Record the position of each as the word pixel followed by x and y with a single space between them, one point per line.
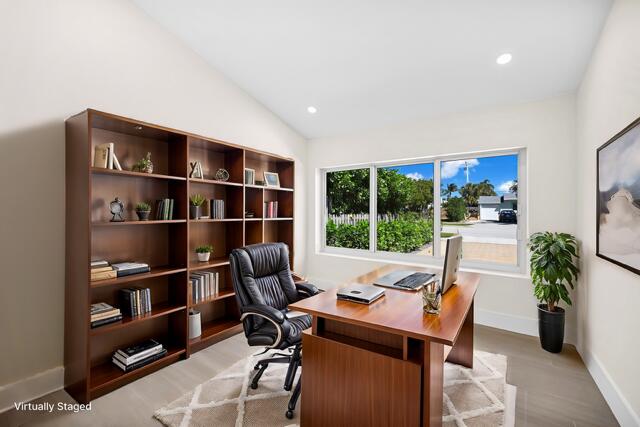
pixel 117 209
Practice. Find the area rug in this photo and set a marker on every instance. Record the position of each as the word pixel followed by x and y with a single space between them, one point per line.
pixel 472 397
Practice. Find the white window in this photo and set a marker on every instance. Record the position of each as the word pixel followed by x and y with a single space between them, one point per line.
pixel 406 210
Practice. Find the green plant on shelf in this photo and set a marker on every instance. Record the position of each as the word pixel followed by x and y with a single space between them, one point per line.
pixel 204 249
pixel 144 165
pixel 196 200
pixel 143 207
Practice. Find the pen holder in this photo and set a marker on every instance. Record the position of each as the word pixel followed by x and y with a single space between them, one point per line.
pixel 431 297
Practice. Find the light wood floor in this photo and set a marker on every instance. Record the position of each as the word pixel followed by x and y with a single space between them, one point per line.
pixel 553 389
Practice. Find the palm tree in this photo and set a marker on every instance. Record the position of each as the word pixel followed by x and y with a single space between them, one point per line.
pixel 514 187
pixel 449 190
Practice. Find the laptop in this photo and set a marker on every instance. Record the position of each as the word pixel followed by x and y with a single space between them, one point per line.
pixel 362 294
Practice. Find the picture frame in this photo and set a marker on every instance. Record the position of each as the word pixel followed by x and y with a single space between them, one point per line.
pixel 271 179
pixel 618 198
pixel 249 176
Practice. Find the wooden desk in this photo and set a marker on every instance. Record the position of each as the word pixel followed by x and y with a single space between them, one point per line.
pixel 382 364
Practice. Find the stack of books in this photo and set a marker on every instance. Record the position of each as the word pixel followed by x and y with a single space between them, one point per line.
pixel 135 301
pixel 129 268
pixel 101 270
pixel 102 314
pixel 139 355
pixel 204 285
pixel 271 209
pixel 164 209
pixel 104 156
pixel 217 209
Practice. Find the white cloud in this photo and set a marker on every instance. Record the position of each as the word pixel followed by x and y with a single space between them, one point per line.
pixel 451 168
pixel 415 176
pixel 505 187
pixel 620 162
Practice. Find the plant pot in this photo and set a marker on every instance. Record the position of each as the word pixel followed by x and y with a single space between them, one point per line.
pixel 551 328
pixel 143 215
pixel 194 212
pixel 204 257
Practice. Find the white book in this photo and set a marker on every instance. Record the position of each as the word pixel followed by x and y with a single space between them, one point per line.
pixel 110 158
pixel 127 360
pixel 217 283
pixel 116 163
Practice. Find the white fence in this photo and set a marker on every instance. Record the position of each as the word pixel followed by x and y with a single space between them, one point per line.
pixel 353 219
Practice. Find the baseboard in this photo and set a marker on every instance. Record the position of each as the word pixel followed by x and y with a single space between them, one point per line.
pixel 508 322
pixel 619 405
pixel 31 388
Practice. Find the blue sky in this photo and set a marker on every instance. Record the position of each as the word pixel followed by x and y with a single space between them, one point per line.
pixel 499 170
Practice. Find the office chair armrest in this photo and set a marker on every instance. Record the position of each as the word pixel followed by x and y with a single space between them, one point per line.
pixel 264 310
pixel 307 289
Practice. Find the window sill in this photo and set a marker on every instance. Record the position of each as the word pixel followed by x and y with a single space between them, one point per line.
pixel 363 255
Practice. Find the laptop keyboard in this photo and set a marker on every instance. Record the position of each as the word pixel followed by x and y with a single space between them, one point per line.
pixel 414 281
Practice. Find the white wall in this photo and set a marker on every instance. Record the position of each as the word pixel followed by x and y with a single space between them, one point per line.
pixel 608 316
pixel 56 59
pixel 545 128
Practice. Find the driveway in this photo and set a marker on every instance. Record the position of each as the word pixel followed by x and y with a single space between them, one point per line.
pixel 485 232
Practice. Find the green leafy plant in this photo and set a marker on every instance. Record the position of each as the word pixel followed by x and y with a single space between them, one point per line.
pixel 142 164
pixel 196 200
pixel 456 209
pixel 143 207
pixel 554 265
pixel 204 249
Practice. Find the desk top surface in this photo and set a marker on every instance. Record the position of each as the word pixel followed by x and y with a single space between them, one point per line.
pixel 399 311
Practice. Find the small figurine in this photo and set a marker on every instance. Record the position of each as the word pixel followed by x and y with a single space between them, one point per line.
pixel 144 165
pixel 117 209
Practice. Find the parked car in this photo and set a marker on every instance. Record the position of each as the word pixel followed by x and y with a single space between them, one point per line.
pixel 508 215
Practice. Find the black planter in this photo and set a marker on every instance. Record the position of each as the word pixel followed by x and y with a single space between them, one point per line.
pixel 143 215
pixel 194 212
pixel 551 328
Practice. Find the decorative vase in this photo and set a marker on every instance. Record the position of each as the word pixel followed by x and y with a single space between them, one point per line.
pixel 194 212
pixel 149 167
pixel 551 328
pixel 195 327
pixel 204 256
pixel 143 215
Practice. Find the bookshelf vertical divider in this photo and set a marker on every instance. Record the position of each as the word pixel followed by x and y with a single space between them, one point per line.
pixel 168 246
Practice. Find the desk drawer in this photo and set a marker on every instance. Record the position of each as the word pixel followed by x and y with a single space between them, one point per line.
pixel 345 385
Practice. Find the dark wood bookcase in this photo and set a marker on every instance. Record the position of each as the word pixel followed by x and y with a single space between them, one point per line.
pixel 168 246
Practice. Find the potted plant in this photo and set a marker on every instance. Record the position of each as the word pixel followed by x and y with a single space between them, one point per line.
pixel 554 265
pixel 204 252
pixel 195 202
pixel 144 165
pixel 143 210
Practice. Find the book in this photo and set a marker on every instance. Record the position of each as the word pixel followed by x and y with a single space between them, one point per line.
pixel 99 263
pixel 116 163
pixel 140 347
pixel 105 315
pixel 170 209
pixel 110 157
pixel 101 156
pixel 112 274
pixel 129 268
pixel 127 360
pixel 127 298
pixel 140 363
pixel 100 307
pixel 106 321
pixel 100 269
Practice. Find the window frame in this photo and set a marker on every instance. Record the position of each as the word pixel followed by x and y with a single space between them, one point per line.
pixel 372 254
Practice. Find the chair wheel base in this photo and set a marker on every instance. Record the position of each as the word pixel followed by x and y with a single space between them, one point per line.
pixel 289 414
pixel 254 386
pixel 256 367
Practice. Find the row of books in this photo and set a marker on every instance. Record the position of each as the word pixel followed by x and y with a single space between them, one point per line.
pixel 102 270
pixel 164 209
pixel 213 208
pixel 104 156
pixel 204 285
pixel 102 313
pixel 139 355
pixel 135 301
pixel 271 209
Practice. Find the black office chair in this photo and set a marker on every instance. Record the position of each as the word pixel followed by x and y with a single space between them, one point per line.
pixel 264 287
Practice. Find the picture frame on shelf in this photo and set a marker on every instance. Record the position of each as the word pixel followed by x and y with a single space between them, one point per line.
pixel 618 198
pixel 249 176
pixel 271 179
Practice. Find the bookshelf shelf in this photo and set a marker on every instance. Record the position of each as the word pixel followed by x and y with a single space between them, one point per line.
pixel 107 376
pixel 168 246
pixel 220 295
pixel 150 222
pixel 155 272
pixel 157 310
pixel 103 171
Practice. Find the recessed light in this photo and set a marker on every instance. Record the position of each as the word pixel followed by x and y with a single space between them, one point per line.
pixel 137 127
pixel 503 59
pixel 311 109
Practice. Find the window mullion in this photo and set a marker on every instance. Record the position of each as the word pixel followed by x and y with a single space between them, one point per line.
pixel 436 208
pixel 373 209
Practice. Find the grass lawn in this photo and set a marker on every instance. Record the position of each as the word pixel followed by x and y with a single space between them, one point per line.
pixel 445 235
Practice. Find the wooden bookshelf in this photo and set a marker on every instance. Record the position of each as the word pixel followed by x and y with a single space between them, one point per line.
pixel 168 246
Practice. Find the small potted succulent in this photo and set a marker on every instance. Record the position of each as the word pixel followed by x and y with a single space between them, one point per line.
pixel 554 265
pixel 144 165
pixel 143 210
pixel 204 252
pixel 195 203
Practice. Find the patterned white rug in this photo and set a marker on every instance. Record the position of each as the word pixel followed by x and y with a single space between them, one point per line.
pixel 472 397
